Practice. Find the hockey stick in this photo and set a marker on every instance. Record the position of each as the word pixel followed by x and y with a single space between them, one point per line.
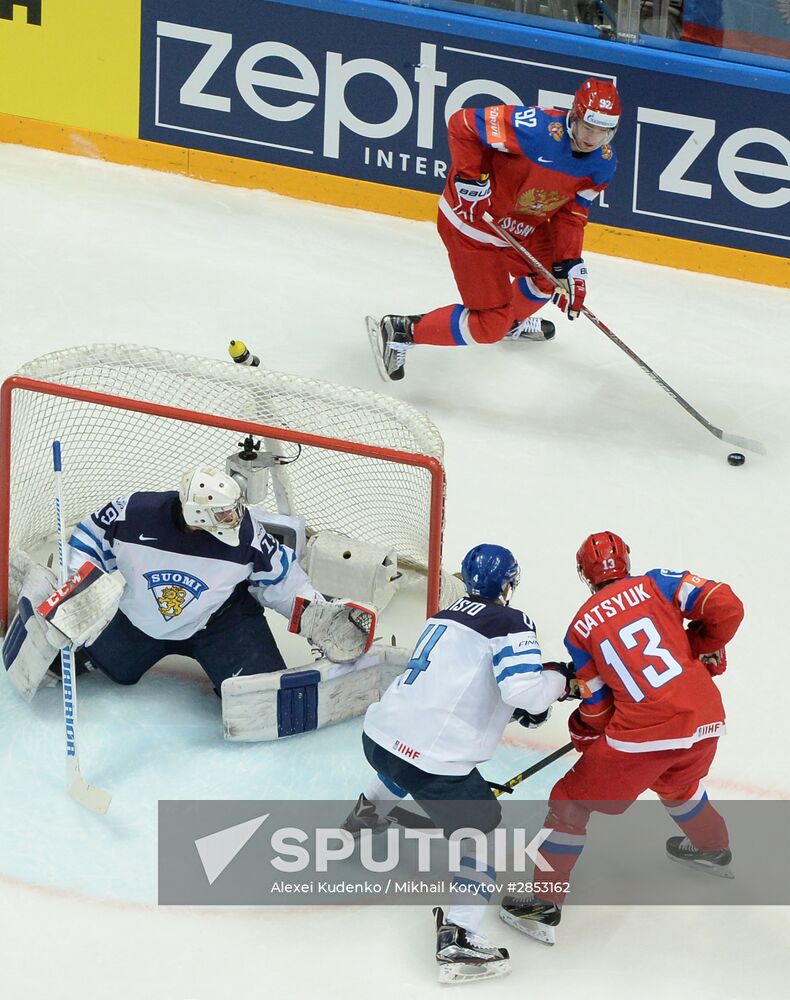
pixel 508 786
pixel 78 788
pixel 733 439
pixel 412 820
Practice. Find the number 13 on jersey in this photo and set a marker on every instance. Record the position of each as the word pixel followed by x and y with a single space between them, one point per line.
pixel 650 647
pixel 421 657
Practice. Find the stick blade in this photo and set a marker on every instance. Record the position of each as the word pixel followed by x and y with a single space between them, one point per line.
pixel 89 796
pixel 747 443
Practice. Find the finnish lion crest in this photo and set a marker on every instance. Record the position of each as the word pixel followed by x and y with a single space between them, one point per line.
pixel 173 591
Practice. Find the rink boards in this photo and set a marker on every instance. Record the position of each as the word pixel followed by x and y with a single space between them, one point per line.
pixel 346 103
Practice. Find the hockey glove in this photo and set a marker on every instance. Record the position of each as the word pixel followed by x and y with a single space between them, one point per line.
pixel 473 197
pixel 85 605
pixel 582 735
pixel 715 660
pixel 572 276
pixel 342 630
pixel 568 671
pixel 530 720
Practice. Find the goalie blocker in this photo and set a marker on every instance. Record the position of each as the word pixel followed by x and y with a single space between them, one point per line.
pixel 48 619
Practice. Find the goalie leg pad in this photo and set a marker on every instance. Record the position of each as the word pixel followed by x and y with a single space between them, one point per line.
pixel 264 707
pixel 31 644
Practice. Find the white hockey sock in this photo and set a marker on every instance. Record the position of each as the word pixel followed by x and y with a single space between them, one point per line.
pixel 384 795
pixel 475 872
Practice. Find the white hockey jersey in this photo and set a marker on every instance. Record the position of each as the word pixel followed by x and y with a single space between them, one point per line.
pixel 473 664
pixel 176 580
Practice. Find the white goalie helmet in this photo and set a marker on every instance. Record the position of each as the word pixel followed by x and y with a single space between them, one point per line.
pixel 211 500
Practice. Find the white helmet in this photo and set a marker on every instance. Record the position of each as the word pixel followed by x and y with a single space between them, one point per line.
pixel 211 500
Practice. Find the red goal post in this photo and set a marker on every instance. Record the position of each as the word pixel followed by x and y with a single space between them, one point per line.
pixel 133 418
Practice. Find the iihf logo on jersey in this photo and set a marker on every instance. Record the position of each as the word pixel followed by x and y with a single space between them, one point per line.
pixel 173 591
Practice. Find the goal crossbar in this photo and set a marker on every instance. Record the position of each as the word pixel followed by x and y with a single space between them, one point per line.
pixel 15 384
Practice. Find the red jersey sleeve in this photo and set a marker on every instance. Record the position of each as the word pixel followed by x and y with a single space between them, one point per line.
pixel 597 705
pixel 713 604
pixel 721 613
pixel 470 154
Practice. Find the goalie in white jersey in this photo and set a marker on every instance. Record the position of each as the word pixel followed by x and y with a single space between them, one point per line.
pixel 186 572
pixel 476 665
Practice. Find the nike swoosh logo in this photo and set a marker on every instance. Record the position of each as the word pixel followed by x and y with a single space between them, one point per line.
pixel 217 850
pixel 541 160
pixel 147 538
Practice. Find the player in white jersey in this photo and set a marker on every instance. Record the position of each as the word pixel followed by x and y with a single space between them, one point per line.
pixel 476 664
pixel 193 570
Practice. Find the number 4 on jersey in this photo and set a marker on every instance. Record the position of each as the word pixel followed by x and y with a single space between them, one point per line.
pixel 420 659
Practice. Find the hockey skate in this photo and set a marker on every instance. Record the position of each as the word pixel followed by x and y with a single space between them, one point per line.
pixel 365 817
pixel 390 339
pixel 465 957
pixel 717 863
pixel 536 918
pixel 531 328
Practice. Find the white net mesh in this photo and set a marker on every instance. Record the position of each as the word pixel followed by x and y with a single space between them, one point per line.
pixel 110 452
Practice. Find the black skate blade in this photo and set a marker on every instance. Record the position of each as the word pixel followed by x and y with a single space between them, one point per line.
pixel 531 928
pixel 719 871
pixel 374 336
pixel 456 973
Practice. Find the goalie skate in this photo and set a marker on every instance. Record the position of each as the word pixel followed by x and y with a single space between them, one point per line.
pixel 532 328
pixel 534 917
pixel 465 957
pixel 717 863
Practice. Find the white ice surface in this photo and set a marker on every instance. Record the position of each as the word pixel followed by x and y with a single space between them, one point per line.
pixel 545 443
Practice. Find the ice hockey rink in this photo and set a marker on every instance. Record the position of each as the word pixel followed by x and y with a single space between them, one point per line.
pixel 544 444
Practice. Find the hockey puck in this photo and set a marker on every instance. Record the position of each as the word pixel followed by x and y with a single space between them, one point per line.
pixel 736 458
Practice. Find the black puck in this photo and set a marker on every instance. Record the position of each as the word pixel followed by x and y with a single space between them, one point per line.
pixel 736 458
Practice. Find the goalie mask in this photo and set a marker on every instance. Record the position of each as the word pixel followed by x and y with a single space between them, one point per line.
pixel 211 500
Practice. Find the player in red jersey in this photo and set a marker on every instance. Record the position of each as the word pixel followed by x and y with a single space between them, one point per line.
pixel 650 715
pixel 537 171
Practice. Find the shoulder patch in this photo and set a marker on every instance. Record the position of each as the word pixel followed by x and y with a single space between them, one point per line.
pixel 556 130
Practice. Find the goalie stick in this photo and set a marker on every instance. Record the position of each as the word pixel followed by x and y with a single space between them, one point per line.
pixel 734 439
pixel 86 794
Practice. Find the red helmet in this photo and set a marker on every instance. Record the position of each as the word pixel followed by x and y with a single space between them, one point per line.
pixel 601 557
pixel 598 103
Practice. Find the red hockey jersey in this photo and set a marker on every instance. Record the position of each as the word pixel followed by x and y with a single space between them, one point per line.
pixel 536 178
pixel 640 680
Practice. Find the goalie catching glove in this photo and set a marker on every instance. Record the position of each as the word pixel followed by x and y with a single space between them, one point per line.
pixel 343 630
pixel 85 605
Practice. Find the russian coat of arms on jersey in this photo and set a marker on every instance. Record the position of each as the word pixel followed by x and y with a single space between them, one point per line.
pixel 536 201
pixel 173 591
pixel 556 130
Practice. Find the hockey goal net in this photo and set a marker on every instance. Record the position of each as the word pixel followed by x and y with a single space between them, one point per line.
pixel 134 418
